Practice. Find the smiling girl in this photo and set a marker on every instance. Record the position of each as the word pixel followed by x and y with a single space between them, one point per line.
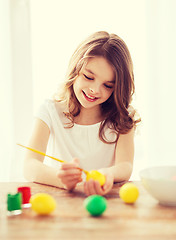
pixel 89 123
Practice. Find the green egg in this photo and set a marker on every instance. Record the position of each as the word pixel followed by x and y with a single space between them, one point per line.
pixel 95 205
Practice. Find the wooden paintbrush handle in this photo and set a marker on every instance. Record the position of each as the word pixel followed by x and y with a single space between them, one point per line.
pixel 42 153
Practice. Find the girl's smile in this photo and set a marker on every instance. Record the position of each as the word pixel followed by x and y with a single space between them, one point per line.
pixel 89 97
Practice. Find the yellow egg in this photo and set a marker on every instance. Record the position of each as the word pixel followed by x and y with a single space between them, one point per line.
pixel 95 175
pixel 129 193
pixel 42 203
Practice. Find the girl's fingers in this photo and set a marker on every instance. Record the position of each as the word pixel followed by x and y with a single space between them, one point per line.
pixel 73 164
pixel 65 166
pixel 70 179
pixel 106 185
pixel 70 184
pixel 90 187
pixel 76 161
pixel 109 183
pixel 80 179
pixel 70 172
pixel 87 187
pixel 98 188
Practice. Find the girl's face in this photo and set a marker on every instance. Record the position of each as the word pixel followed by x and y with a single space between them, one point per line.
pixel 95 83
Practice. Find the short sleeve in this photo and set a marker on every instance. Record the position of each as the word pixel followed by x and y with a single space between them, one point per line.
pixel 44 114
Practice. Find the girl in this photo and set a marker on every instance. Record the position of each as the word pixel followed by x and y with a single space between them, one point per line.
pixel 90 123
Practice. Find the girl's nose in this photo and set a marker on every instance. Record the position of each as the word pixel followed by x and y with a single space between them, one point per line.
pixel 94 89
pixel 91 90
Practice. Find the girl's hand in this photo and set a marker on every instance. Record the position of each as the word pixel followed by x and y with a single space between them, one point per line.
pixel 92 187
pixel 70 175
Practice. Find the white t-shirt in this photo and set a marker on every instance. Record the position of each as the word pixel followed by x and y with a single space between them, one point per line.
pixel 80 141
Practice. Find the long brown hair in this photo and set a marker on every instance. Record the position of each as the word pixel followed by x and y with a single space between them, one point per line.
pixel 116 108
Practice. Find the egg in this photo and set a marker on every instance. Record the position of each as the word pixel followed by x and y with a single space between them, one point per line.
pixel 95 205
pixel 129 193
pixel 95 175
pixel 42 203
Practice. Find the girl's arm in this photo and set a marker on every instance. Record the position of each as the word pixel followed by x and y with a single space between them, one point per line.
pixel 36 171
pixel 124 155
pixel 122 169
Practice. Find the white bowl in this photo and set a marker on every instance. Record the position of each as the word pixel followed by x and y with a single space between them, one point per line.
pixel 160 182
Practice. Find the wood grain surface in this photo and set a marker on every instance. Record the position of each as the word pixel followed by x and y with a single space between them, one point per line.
pixel 144 220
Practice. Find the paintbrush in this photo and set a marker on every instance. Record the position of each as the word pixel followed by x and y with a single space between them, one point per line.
pixel 42 153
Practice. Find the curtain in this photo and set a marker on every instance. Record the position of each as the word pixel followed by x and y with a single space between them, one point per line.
pixel 6 128
pixel 161 78
pixel 16 86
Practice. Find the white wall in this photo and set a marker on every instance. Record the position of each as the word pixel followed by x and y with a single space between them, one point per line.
pixel 37 40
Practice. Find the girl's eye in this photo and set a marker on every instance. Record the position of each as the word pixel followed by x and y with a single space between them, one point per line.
pixel 107 86
pixel 87 77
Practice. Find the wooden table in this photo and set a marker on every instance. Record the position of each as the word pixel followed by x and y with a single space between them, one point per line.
pixel 145 219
